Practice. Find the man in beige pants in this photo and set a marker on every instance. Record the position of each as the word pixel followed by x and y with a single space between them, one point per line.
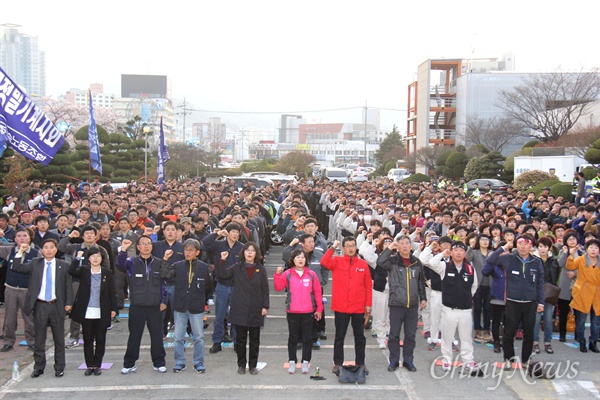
pixel 459 283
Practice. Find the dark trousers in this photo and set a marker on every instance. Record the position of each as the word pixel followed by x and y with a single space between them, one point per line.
pixel 318 326
pixel 300 327
pixel 563 311
pixel 93 331
pixel 2 279
pixel 45 315
pixel 138 317
pixel 341 327
pixel 497 319
pixel 408 317
pixel 516 313
pixel 121 283
pixel 481 302
pixel 242 333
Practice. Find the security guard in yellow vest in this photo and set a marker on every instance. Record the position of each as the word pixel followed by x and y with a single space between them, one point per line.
pixel 596 186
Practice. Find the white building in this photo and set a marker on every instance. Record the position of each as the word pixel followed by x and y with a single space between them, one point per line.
pixel 22 60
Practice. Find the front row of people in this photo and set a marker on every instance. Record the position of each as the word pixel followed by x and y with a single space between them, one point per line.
pixel 50 298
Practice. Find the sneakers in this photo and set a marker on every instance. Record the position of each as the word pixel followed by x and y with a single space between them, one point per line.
pixel 305 367
pixel 200 368
pixel 392 367
pixel 455 347
pixel 536 348
pixel 6 348
pixel 507 365
pixel 321 335
pixel 126 371
pixel 72 343
pixel 382 345
pixel 162 369
pixel 178 368
pixel 216 347
pixel 427 335
pixel 409 366
pixel 446 367
pixel 292 368
pixel 316 346
pixel 211 302
pixel 431 346
pixel 472 366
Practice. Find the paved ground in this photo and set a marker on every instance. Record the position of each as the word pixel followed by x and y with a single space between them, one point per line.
pixel 577 381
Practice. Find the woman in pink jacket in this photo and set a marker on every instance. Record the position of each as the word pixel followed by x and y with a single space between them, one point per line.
pixel 304 302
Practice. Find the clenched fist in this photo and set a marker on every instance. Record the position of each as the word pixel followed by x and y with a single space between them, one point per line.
pixel 168 254
pixel 224 255
pixel 335 244
pixel 125 244
pixel 279 270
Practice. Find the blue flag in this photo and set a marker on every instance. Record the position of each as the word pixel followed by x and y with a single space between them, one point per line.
pixel 95 158
pixel 24 126
pixel 160 165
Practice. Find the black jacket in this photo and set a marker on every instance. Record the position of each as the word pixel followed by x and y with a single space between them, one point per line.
pixel 108 295
pixel 189 296
pixel 249 296
pixel 407 284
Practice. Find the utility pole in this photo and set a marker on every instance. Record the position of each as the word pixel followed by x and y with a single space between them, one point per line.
pixel 366 158
pixel 186 111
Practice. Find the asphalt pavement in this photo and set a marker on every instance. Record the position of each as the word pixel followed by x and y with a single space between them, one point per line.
pixel 578 373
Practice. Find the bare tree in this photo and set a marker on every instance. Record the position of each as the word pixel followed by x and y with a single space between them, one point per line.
pixel 493 133
pixel 427 156
pixel 576 142
pixel 551 103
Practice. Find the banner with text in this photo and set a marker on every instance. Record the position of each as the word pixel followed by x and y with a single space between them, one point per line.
pixel 24 126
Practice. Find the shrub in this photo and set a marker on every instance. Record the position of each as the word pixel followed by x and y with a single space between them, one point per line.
pixel 538 188
pixel 589 173
pixel 562 189
pixel 531 143
pixel 529 179
pixel 416 178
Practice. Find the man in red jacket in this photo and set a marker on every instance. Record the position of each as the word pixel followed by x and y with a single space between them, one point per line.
pixel 350 298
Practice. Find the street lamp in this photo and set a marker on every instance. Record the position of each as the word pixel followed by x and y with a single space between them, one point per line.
pixel 146 129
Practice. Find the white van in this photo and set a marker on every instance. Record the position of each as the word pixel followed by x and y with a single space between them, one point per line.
pixel 398 174
pixel 336 174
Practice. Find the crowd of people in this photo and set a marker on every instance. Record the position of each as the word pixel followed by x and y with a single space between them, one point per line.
pixel 481 264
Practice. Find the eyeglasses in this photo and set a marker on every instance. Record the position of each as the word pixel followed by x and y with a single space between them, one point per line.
pixel 350 245
pixel 145 244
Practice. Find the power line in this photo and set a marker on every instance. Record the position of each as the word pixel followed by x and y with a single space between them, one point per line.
pixel 289 112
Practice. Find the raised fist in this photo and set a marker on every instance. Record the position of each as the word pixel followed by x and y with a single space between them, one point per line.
pixel 125 244
pixel 168 254
pixel 23 248
pixel 294 242
pixel 224 255
pixel 446 253
pixel 335 244
pixel 74 234
pixel 279 270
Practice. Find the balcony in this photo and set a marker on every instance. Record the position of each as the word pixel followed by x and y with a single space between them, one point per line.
pixel 442 104
pixel 442 136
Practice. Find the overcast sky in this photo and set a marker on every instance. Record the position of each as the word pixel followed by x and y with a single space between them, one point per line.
pixel 289 56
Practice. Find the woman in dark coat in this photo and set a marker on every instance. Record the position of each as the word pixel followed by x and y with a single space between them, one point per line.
pixel 94 307
pixel 249 302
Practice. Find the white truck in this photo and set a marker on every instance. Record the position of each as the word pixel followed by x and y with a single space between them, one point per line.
pixel 563 167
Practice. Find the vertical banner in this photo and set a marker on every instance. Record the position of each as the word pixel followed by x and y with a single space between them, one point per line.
pixel 24 126
pixel 160 165
pixel 95 158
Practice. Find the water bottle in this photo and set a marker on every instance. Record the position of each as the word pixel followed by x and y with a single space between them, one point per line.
pixel 15 371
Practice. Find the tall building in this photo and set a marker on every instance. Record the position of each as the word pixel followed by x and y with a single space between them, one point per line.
pixel 437 110
pixel 150 97
pixel 22 59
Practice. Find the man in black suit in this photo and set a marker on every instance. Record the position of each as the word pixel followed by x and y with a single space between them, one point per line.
pixel 50 296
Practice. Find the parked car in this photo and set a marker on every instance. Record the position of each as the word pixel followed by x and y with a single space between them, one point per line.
pixel 336 174
pixel 359 175
pixel 495 184
pixel 242 181
pixel 398 174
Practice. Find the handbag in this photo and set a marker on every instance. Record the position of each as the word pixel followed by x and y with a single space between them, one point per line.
pixel 353 374
pixel 552 292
